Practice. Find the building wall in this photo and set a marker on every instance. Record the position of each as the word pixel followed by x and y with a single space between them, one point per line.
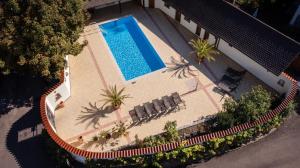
pixel 60 94
pixel 250 65
pixel 169 11
pixel 192 26
pixel 202 33
pixel 146 3
pixel 211 39
pixel 254 68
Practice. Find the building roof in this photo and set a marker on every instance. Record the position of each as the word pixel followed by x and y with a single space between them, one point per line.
pixel 260 42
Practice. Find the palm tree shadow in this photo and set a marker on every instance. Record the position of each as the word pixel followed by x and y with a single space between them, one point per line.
pixel 93 114
pixel 180 68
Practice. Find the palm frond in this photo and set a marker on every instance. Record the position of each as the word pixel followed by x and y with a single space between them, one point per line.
pixel 202 49
pixel 113 96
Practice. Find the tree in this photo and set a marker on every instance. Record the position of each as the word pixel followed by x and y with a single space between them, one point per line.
pixel 249 3
pixel 256 3
pixel 36 35
pixel 114 97
pixel 253 104
pixel 249 107
pixel 202 50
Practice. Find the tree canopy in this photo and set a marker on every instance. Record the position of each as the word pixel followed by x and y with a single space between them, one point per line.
pixel 36 35
pixel 249 107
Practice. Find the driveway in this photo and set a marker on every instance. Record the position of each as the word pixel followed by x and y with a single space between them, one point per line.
pixel 20 142
pixel 281 149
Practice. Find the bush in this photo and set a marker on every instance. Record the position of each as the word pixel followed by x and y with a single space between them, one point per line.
pixel 253 104
pixel 249 107
pixel 224 120
pixel 291 107
pixel 171 133
pixel 59 156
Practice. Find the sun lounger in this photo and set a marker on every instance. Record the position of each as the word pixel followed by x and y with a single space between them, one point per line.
pixel 134 117
pixel 149 107
pixel 177 99
pixel 141 113
pixel 159 106
pixel 228 84
pixel 234 74
pixel 169 103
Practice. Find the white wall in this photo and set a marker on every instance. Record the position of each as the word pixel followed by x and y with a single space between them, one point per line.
pixel 254 68
pixel 64 90
pixel 158 4
pixel 169 11
pixel 202 33
pixel 146 3
pixel 296 15
pixel 211 39
pixel 189 25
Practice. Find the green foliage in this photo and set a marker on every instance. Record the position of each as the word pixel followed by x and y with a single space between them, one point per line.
pixel 253 104
pixel 202 49
pixel 256 3
pixel 171 133
pixel 291 107
pixel 114 97
pixel 60 157
pixel 36 35
pixel 153 141
pixel 225 120
pixel 249 107
pixel 250 3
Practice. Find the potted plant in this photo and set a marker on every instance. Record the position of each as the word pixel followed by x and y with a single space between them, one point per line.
pixel 114 97
pixel 202 50
pixel 119 130
pixel 105 135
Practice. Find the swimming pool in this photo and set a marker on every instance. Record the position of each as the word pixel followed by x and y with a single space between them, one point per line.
pixel 131 49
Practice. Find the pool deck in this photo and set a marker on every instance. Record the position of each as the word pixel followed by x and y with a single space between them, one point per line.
pixel 95 69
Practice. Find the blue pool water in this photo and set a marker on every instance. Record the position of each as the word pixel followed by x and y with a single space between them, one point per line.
pixel 131 49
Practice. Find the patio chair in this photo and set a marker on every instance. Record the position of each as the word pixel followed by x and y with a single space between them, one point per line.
pixel 169 103
pixel 228 85
pixel 135 119
pixel 149 107
pixel 159 106
pixel 177 99
pixel 235 74
pixel 140 112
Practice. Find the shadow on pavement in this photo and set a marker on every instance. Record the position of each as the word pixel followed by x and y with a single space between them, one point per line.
pixel 22 140
pixel 28 148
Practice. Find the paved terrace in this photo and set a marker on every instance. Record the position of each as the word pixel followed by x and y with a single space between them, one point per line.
pixel 95 69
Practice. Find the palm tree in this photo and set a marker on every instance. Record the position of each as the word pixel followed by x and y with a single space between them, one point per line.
pixel 114 97
pixel 202 50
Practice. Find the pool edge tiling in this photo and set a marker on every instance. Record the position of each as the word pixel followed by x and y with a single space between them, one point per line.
pixel 132 51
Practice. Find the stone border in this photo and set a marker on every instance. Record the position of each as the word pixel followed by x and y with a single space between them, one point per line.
pixel 164 147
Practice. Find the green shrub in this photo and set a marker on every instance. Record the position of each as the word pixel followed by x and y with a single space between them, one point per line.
pixel 291 107
pixel 171 133
pixel 252 105
pixel 225 120
pixel 249 107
